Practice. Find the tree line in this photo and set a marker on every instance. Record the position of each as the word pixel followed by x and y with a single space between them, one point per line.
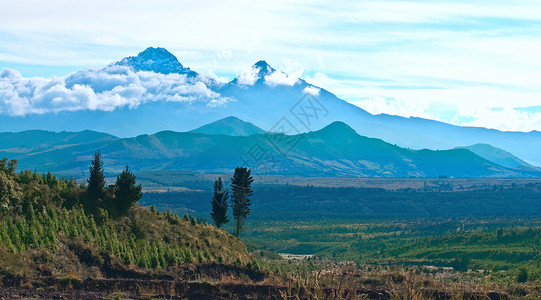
pixel 241 188
pixel 41 212
pixel 20 191
pixel 24 190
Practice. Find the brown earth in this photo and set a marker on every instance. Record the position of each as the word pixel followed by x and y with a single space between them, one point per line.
pixel 51 288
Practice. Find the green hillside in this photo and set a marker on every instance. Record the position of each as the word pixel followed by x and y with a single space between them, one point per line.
pixel 336 150
pixel 47 229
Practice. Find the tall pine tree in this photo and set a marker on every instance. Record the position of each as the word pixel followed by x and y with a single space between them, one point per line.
pixel 219 204
pixel 95 193
pixel 126 192
pixel 241 187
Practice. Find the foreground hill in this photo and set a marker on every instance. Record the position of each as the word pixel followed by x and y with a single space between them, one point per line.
pixel 336 150
pixel 46 235
pixel 156 92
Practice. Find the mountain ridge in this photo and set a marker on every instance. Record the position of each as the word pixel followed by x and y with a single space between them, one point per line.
pixel 499 156
pixel 336 150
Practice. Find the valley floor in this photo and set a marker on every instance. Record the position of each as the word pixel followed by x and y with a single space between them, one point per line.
pixel 448 235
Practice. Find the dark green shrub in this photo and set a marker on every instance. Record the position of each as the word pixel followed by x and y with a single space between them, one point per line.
pixel 522 275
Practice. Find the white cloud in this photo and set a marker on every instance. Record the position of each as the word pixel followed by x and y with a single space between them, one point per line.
pixel 98 89
pixel 506 119
pixel 399 107
pixel 219 102
pixel 480 107
pixel 248 77
pixel 272 77
pixel 311 90
pixel 210 78
pixel 280 78
pixel 293 70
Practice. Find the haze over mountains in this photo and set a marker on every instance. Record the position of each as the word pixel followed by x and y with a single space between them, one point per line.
pixel 153 91
pixel 499 156
pixel 335 150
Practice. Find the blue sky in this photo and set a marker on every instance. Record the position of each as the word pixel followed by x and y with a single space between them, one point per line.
pixel 472 63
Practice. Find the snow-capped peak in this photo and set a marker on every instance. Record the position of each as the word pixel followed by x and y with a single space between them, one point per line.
pixel 157 60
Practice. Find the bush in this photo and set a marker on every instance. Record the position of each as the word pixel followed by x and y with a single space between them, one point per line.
pixel 522 275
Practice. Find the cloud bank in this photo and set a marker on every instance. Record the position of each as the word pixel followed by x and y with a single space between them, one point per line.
pixel 365 48
pixel 500 113
pixel 103 89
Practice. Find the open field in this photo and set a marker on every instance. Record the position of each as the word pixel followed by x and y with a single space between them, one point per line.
pixel 435 198
pixel 163 180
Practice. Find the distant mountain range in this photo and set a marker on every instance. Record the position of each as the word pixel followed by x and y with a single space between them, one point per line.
pixel 266 97
pixel 499 156
pixel 335 150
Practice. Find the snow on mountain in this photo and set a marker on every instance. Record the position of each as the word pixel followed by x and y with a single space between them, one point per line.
pixel 157 60
pixel 153 91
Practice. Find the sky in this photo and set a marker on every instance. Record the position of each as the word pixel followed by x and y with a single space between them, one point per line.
pixel 470 63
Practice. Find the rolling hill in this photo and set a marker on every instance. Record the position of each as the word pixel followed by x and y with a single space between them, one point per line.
pixel 335 150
